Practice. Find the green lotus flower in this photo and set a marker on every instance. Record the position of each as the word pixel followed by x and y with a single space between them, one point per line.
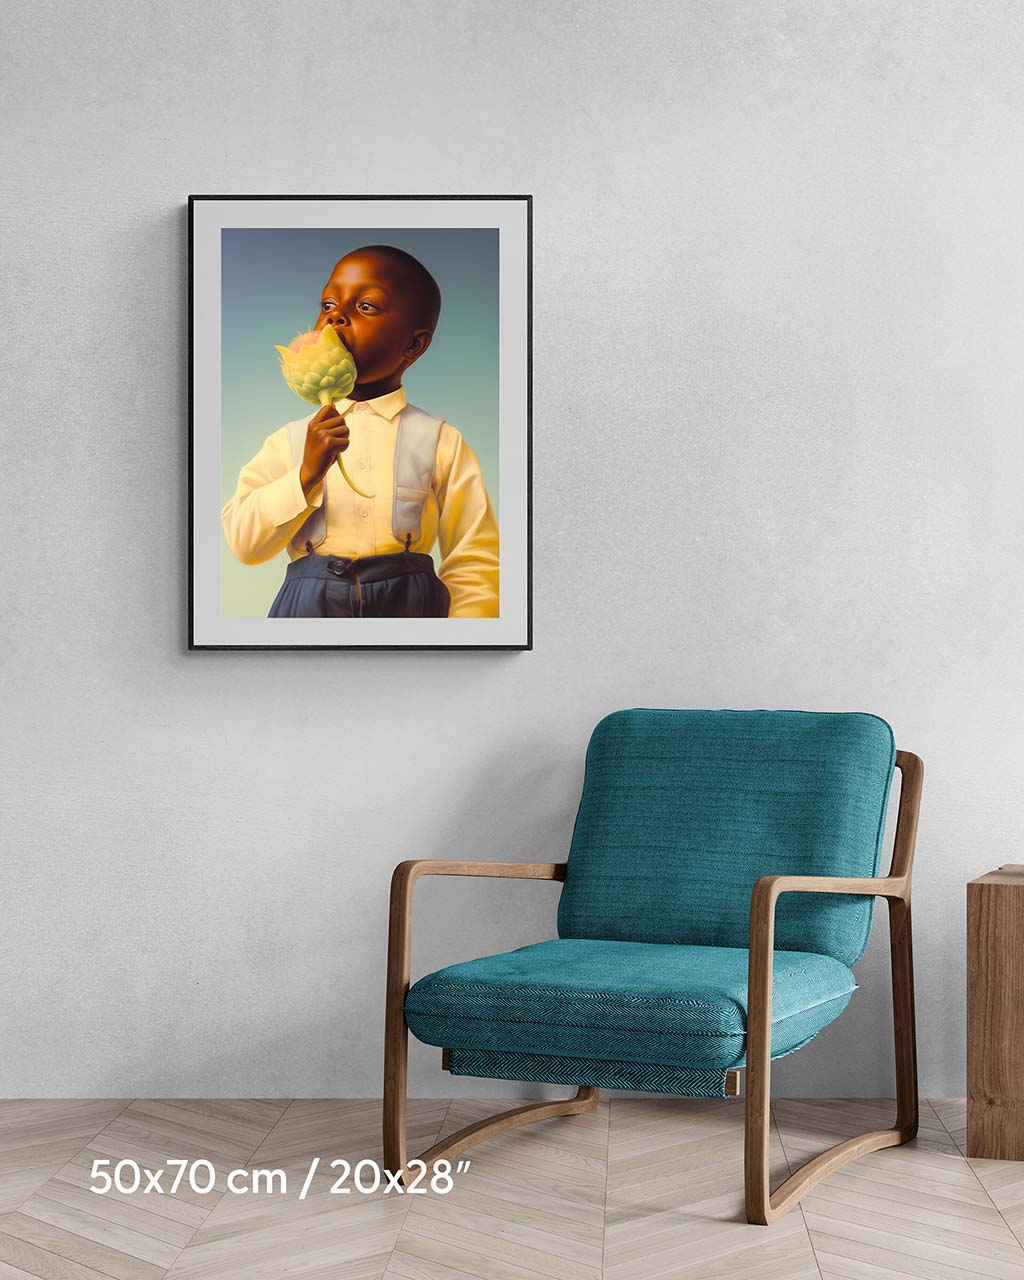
pixel 319 368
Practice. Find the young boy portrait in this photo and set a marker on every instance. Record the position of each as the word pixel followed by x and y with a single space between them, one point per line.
pixel 365 551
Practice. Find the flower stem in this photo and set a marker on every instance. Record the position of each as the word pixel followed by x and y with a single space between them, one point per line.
pixel 327 398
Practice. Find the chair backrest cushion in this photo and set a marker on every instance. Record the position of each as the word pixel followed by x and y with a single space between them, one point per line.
pixel 682 811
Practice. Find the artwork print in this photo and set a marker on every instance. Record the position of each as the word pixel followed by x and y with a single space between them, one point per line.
pixel 360 422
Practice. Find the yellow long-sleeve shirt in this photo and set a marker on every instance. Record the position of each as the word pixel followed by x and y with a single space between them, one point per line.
pixel 268 506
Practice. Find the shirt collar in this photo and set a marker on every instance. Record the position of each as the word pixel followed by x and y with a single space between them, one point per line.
pixel 386 406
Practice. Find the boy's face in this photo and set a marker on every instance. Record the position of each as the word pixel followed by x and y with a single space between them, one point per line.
pixel 373 311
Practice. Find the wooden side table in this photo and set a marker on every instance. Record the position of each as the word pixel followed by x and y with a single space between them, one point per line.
pixel 995 1015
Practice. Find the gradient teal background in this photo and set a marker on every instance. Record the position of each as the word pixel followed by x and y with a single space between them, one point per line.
pixel 271 280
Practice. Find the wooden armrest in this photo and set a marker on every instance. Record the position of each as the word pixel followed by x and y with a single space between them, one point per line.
pixel 766 890
pixel 766 893
pixel 407 873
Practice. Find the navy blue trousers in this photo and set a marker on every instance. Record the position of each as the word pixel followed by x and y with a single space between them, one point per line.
pixel 400 585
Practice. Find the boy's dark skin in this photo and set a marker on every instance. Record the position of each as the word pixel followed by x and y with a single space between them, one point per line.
pixel 384 315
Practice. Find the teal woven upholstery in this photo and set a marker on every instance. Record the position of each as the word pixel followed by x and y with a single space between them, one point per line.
pixel 646 986
pixel 623 1002
pixel 682 811
pixel 640 1077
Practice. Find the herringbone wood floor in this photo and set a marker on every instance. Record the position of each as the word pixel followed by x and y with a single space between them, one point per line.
pixel 642 1187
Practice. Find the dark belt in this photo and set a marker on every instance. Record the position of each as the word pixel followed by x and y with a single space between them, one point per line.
pixel 365 568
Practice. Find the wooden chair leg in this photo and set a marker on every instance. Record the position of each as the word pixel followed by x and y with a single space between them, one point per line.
pixel 396 1058
pixel 396 1076
pixel 901 949
pixel 396 1032
pixel 586 1099
pixel 757 1115
pixel 764 1206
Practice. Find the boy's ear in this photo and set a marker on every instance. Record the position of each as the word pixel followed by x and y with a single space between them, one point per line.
pixel 419 343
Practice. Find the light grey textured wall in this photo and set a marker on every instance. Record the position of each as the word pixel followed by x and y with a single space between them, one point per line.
pixel 779 294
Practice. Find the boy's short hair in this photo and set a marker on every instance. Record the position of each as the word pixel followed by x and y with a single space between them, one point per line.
pixel 422 285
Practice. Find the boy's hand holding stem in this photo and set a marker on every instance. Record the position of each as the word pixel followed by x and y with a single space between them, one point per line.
pixel 326 438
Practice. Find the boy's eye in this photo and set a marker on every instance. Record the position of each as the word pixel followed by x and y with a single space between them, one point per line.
pixel 327 306
pixel 372 306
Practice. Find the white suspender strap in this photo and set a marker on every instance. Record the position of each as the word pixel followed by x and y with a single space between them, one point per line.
pixel 415 457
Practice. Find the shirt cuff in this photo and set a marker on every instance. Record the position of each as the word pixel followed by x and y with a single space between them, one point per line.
pixel 283 500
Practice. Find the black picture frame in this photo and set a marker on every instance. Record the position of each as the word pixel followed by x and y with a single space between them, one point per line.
pixel 527 644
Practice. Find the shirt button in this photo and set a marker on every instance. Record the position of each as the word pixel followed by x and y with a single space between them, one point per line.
pixel 364 511
pixel 361 464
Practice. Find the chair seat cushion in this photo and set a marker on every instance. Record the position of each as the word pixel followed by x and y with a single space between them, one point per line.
pixel 629 1001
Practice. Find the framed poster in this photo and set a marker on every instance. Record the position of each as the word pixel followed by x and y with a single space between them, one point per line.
pixel 360 422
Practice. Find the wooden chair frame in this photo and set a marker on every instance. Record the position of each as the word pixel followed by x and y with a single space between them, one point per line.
pixel 762 1205
pixel 396 1032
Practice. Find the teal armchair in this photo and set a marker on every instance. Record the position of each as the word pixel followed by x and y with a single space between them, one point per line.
pixel 718 891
